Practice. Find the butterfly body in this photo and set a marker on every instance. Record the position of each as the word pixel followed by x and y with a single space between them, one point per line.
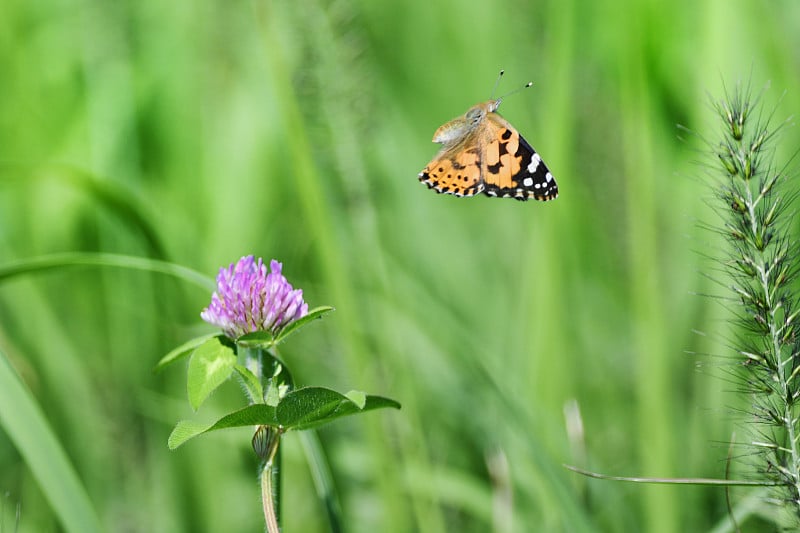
pixel 483 153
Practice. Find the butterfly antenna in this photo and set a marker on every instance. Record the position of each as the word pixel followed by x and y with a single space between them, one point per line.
pixel 497 82
pixel 515 91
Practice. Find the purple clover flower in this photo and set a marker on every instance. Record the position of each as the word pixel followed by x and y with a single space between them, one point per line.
pixel 249 299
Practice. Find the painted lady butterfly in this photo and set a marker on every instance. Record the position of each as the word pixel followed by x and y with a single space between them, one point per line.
pixel 483 153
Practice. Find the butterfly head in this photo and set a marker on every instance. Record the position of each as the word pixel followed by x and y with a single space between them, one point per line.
pixel 477 113
pixel 492 105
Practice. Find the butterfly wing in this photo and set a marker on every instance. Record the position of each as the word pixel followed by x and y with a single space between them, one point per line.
pixel 455 170
pixel 512 168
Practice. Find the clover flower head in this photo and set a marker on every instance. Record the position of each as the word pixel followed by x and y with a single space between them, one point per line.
pixel 249 298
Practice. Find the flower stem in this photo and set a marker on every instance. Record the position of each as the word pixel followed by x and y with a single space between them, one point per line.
pixel 270 486
pixel 266 367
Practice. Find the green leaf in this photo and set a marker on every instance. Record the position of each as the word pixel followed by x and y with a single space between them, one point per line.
pixel 251 382
pixel 185 430
pixel 182 351
pixel 252 415
pixel 274 390
pixel 281 377
pixel 313 406
pixel 308 403
pixel 256 339
pixel 357 397
pixel 312 315
pixel 211 364
pixel 279 383
pixel 265 339
pixel 23 421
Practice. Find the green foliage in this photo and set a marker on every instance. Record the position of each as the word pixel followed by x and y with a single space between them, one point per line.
pixel 255 390
pixel 214 360
pixel 76 259
pixel 300 409
pixel 252 415
pixel 184 350
pixel 210 366
pixel 312 407
pixel 296 130
pixel 28 429
pixel 295 326
pixel 265 339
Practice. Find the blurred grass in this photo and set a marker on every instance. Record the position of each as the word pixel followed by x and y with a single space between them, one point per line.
pixel 28 429
pixel 200 133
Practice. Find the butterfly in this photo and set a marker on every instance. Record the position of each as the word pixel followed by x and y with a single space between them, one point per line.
pixel 483 153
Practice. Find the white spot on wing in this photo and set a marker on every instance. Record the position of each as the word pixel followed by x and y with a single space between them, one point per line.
pixel 535 160
pixel 548 177
pixel 527 182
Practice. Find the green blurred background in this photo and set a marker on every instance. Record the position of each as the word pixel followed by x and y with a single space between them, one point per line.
pixel 517 336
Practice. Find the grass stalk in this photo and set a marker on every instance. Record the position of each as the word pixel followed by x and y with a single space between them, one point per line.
pixel 754 196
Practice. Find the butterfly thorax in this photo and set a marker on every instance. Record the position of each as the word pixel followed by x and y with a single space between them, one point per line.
pixel 456 129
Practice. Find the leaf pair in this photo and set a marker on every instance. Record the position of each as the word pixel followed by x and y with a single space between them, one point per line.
pixel 300 409
pixel 213 358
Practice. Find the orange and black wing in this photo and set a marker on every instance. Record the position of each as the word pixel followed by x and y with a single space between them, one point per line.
pixel 513 168
pixel 454 171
